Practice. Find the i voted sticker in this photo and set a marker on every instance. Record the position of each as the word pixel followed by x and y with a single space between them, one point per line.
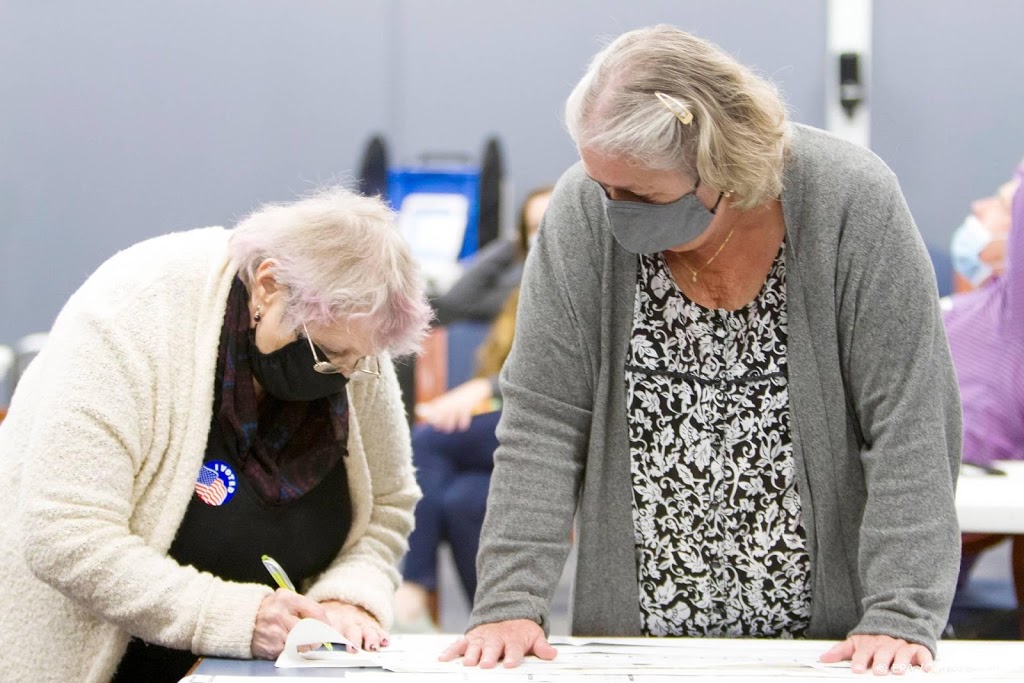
pixel 217 483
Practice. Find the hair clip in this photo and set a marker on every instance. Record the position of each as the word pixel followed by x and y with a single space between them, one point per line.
pixel 684 115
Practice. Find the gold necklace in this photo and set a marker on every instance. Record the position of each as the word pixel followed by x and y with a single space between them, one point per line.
pixel 693 272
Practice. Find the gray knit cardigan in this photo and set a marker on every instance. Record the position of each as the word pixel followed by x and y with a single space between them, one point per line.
pixel 874 406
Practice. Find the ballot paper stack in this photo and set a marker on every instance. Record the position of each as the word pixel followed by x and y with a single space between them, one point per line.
pixel 637 660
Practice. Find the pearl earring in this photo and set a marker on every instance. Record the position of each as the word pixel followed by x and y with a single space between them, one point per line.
pixel 258 315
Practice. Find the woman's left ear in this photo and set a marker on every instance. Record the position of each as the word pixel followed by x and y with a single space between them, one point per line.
pixel 266 285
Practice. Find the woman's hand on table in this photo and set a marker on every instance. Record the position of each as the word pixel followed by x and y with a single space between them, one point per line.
pixel 278 613
pixel 357 625
pixel 507 641
pixel 879 654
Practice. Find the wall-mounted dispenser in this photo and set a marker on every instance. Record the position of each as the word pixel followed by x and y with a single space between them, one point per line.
pixel 851 87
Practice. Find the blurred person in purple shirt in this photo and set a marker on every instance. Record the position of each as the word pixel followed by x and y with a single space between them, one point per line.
pixel 985 326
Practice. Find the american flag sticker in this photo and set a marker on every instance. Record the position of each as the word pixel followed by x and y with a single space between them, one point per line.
pixel 217 483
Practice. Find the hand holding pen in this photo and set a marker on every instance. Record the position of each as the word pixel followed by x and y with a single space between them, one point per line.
pixel 281 579
pixel 277 615
pixel 355 624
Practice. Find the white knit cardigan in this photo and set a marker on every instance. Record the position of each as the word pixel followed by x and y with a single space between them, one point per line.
pixel 99 456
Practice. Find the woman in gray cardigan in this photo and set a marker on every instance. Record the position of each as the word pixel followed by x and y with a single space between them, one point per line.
pixel 730 367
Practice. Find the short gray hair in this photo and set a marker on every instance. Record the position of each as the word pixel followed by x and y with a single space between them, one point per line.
pixel 739 134
pixel 342 259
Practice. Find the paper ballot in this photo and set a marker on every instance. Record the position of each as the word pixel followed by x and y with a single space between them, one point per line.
pixel 405 653
pixel 610 660
pixel 315 632
pixel 623 656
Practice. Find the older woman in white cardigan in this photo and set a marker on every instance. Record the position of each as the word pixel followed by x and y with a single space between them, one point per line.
pixel 205 398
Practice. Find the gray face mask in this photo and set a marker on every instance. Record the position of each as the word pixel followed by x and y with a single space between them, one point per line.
pixel 643 228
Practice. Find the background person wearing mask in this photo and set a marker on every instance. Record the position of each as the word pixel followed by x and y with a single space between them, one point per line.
pixel 986 337
pixel 978 246
pixel 985 327
pixel 204 398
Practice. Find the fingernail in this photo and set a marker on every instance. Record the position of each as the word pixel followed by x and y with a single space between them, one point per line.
pixel 372 648
pixel 384 642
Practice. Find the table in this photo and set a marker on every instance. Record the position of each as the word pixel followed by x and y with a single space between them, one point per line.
pixel 992 505
pixel 984 503
pixel 958 661
pixel 988 503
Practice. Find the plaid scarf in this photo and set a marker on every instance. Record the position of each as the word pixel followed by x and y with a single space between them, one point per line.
pixel 284 448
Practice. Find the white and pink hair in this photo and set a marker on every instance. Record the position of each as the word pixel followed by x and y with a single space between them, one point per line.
pixel 343 262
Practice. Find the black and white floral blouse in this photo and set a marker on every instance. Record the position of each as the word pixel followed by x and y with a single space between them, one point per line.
pixel 720 547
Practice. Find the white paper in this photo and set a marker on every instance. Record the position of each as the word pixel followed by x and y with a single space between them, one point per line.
pixel 309 631
pixel 634 660
pixel 227 678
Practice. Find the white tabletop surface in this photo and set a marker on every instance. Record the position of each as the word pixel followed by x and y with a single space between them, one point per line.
pixel 694 659
pixel 992 503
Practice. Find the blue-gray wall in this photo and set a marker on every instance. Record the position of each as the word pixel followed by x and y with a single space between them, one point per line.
pixel 121 119
pixel 947 105
pixel 125 119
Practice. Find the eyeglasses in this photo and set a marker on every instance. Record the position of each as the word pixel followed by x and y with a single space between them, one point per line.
pixel 714 209
pixel 364 368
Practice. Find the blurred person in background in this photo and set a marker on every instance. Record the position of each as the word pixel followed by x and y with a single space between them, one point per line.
pixel 494 271
pixel 978 247
pixel 985 326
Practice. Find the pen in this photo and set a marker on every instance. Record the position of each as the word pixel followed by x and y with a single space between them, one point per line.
pixel 278 573
pixel 282 580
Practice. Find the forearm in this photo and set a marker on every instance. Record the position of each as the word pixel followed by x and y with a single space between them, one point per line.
pixel 147 594
pixel 909 558
pixel 88 529
pixel 528 528
pixel 547 386
pixel 904 394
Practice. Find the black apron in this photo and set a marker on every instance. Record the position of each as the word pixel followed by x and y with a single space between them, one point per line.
pixel 304 535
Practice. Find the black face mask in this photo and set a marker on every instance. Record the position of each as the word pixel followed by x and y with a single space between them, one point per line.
pixel 288 373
